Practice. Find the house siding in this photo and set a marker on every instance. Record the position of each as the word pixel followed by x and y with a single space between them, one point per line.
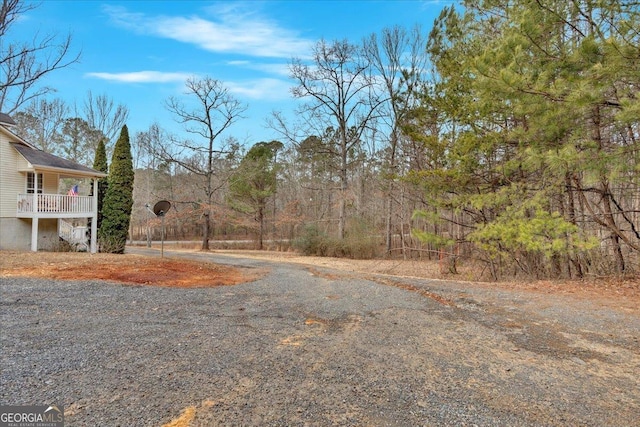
pixel 50 183
pixel 16 233
pixel 12 182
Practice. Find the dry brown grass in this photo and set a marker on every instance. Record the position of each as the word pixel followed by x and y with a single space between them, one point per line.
pixel 184 420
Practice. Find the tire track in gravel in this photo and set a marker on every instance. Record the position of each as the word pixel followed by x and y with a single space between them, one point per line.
pixel 316 347
pixel 529 337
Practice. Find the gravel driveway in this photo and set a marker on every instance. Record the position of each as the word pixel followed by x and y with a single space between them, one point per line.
pixel 318 347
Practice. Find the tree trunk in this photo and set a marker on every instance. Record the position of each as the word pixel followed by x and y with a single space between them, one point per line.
pixel 606 198
pixel 205 231
pixel 261 232
pixel 388 223
pixel 342 215
pixel 389 207
pixel 572 219
pixel 343 210
pixel 611 223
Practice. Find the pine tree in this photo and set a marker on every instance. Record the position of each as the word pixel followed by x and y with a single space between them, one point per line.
pixel 118 200
pixel 254 182
pixel 536 133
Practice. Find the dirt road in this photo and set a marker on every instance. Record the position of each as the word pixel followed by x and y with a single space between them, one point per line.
pixel 308 345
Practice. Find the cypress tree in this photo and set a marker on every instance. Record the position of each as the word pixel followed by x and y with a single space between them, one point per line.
pixel 118 200
pixel 100 164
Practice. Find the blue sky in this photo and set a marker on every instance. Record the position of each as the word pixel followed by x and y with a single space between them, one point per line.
pixel 139 53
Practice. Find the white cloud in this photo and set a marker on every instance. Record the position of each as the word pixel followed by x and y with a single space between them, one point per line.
pixel 239 63
pixel 231 32
pixel 142 77
pixel 261 89
pixel 280 69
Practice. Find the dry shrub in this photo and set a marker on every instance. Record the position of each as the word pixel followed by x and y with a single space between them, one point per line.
pixel 357 244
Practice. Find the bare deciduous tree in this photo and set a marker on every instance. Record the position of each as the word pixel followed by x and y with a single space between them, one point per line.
pixel 41 124
pixel 213 112
pixel 339 85
pixel 399 59
pixel 24 64
pixel 102 114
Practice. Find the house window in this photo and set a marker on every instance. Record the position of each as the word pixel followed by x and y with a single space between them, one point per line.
pixel 34 183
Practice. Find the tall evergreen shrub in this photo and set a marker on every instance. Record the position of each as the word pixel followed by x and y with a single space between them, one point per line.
pixel 100 164
pixel 118 200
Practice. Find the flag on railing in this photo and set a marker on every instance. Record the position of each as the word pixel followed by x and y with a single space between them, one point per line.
pixel 73 191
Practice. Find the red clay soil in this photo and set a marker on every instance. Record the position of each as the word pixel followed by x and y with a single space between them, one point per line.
pixel 131 269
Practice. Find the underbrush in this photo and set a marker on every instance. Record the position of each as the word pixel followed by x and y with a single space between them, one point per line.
pixel 357 244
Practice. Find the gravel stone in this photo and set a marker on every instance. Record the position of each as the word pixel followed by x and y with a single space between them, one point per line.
pixel 316 347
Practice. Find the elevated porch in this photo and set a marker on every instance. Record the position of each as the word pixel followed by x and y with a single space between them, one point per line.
pixel 54 206
pixel 37 206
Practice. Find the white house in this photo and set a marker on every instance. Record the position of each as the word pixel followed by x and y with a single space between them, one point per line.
pixel 32 212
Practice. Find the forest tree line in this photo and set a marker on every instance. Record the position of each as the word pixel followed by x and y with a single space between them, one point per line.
pixel 507 136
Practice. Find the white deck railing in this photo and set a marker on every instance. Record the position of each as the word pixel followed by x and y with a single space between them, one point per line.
pixel 65 230
pixel 54 204
pixel 77 236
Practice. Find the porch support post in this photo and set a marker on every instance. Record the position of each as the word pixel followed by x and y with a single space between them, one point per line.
pixel 94 221
pixel 34 234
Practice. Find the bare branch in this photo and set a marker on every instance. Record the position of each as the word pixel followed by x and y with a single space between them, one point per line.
pixel 102 114
pixel 25 64
pixel 213 112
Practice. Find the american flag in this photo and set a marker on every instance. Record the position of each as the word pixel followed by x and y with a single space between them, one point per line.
pixel 73 191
